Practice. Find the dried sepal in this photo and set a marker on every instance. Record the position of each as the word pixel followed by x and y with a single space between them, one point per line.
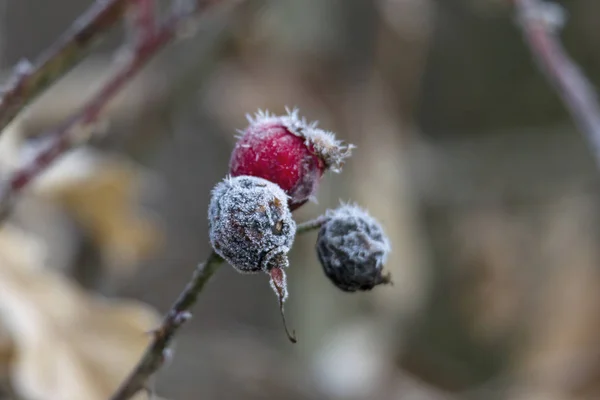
pixel 278 283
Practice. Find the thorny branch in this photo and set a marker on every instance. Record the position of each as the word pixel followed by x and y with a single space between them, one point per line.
pixel 154 355
pixel 29 81
pixel 540 22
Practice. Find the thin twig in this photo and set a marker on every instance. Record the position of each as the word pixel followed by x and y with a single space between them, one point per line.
pixel 143 20
pixel 154 356
pixel 540 22
pixel 179 313
pixel 29 81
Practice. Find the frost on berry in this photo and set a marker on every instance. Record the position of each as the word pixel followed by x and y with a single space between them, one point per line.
pixel 288 151
pixel 352 248
pixel 250 223
pixel 251 227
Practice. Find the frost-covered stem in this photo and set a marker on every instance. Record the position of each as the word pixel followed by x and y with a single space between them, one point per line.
pixel 311 225
pixel 28 82
pixel 178 314
pixel 540 22
pixel 65 136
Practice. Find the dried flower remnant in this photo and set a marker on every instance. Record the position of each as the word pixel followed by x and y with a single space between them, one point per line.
pixel 65 342
pixel 352 248
pixel 251 227
pixel 288 151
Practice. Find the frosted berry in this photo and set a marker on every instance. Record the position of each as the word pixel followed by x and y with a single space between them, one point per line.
pixel 251 227
pixel 288 151
pixel 352 248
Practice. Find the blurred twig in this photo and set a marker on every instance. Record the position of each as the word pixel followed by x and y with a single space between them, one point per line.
pixel 70 133
pixel 28 81
pixel 144 19
pixel 540 22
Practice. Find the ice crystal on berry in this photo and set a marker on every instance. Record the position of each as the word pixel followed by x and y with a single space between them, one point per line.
pixel 322 143
pixel 352 248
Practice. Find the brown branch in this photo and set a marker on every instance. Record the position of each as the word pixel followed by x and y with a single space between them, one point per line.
pixel 154 356
pixel 28 81
pixel 540 23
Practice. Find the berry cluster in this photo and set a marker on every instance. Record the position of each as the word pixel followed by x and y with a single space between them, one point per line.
pixel 275 167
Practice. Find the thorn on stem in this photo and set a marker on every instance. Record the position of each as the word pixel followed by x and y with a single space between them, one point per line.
pixel 182 317
pixel 167 355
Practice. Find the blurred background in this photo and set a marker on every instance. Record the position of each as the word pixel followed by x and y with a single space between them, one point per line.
pixel 464 152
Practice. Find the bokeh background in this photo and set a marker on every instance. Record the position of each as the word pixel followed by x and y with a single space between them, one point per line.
pixel 464 152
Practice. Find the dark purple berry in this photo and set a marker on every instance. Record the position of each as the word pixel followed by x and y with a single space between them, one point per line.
pixel 250 224
pixel 352 248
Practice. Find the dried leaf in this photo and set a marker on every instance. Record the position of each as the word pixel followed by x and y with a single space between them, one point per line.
pixel 67 344
pixel 100 191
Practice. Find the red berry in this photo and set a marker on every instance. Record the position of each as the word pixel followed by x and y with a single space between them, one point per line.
pixel 288 151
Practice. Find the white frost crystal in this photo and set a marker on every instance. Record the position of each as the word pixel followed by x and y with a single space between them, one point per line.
pixel 322 143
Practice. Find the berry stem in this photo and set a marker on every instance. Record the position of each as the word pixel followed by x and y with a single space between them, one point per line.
pixel 178 314
pixel 311 225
